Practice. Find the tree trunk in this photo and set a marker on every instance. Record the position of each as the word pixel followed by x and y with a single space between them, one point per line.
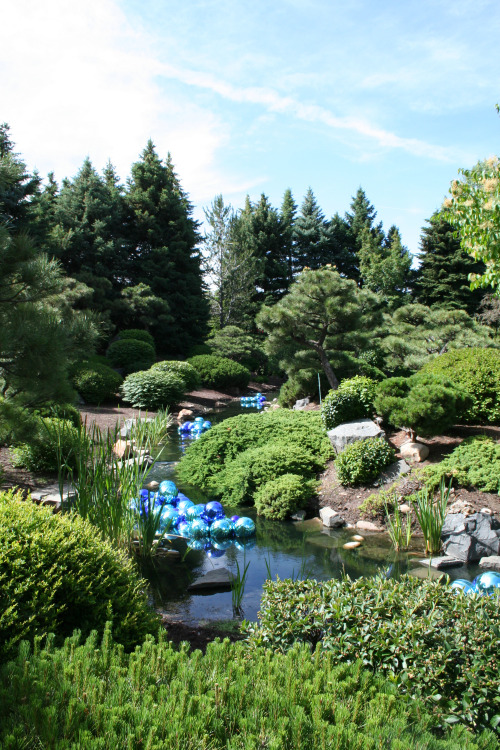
pixel 327 368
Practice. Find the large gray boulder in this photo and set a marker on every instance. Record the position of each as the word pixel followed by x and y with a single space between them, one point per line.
pixel 360 429
pixel 469 538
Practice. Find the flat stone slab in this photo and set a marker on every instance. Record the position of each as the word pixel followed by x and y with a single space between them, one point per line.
pixel 220 578
pixel 490 563
pixel 440 563
pixel 350 432
pixel 394 471
pixel 330 518
pixel 368 526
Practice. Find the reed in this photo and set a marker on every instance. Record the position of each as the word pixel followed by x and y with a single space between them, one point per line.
pixel 238 588
pixel 431 514
pixel 399 531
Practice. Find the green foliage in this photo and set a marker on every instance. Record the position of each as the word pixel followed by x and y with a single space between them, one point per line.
pixel 280 497
pixel 474 463
pixel 224 442
pixel 96 383
pixel 183 369
pixel 61 411
pixel 431 514
pixel 56 575
pixel 220 372
pixel 131 355
pixel 476 371
pixel 353 399
pixel 362 462
pixel 425 403
pixel 93 695
pixel 53 440
pixel 138 335
pixel 430 642
pixel 235 343
pixel 153 389
pixel 292 390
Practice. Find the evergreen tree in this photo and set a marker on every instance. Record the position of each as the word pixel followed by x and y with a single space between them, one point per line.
pixel 17 186
pixel 363 217
pixel 442 278
pixel 165 255
pixel 385 267
pixel 288 214
pixel 311 236
pixel 343 248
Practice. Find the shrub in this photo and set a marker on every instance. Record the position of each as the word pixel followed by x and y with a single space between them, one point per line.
pixel 476 371
pixel 183 369
pixel 96 383
pixel 57 574
pixel 153 389
pixel 279 498
pixel 162 697
pixel 362 462
pixel 137 334
pixel 131 355
pixel 236 344
pixel 53 440
pixel 352 400
pixel 225 441
pixel 61 411
pixel 424 403
pixel 220 372
pixel 474 463
pixel 432 643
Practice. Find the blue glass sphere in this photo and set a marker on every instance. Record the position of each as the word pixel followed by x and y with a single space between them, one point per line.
pixel 184 528
pixel 194 511
pixel 168 488
pixel 214 509
pixel 196 544
pixel 184 505
pixel 214 552
pixel 207 425
pixel 461 584
pixel 168 518
pixel 221 529
pixel 243 544
pixel 244 527
pixel 233 519
pixel 207 519
pixel 487 580
pixel 221 544
pixel 199 529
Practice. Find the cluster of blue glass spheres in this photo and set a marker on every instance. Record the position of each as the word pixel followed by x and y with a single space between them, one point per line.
pixel 196 428
pixel 485 583
pixel 205 526
pixel 256 400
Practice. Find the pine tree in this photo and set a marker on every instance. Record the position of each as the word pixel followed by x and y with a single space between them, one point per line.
pixel 363 217
pixel 385 267
pixel 311 236
pixel 288 214
pixel 442 277
pixel 17 186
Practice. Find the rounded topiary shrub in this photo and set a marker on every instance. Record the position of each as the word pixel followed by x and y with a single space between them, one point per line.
pixel 131 355
pixel 279 498
pixel 352 400
pixel 362 462
pixel 137 334
pixel 96 383
pixel 476 371
pixel 52 440
pixel 153 389
pixel 60 411
pixel 57 574
pixel 220 372
pixel 184 370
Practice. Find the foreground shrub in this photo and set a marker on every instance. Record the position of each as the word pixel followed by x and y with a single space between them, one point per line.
pixel 279 498
pixel 476 371
pixel 206 457
pixel 429 641
pixel 475 463
pixel 184 370
pixel 53 441
pixel 153 389
pixel 61 411
pixel 159 697
pixel 137 334
pixel 96 383
pixel 362 462
pixel 352 400
pixel 220 372
pixel 57 574
pixel 131 355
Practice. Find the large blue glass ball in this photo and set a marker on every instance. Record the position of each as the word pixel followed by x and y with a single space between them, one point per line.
pixel 244 527
pixel 221 529
pixel 461 584
pixel 184 505
pixel 168 519
pixel 197 544
pixel 198 420
pixel 168 488
pixel 199 529
pixel 194 511
pixel 184 529
pixel 221 544
pixel 213 509
pixel 207 425
pixel 487 580
pixel 214 552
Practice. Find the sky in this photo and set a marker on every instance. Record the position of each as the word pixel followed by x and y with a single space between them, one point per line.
pixel 257 97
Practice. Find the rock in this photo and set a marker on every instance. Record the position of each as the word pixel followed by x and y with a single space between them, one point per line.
pixel 152 486
pixel 461 506
pixel 123 449
pixel 185 415
pixel 220 578
pixel 426 573
pixel 404 508
pixel 368 526
pixel 395 470
pixel 350 432
pixel 358 538
pixel 299 515
pixel 300 404
pixel 469 538
pixel 330 518
pixel 414 451
pixel 440 563
pixel 169 554
pixel 128 425
pixel 490 563
pixel 488 511
pixel 351 545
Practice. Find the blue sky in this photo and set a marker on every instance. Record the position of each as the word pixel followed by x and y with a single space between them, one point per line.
pixel 253 97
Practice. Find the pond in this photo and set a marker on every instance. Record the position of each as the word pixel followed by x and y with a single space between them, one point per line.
pixel 285 549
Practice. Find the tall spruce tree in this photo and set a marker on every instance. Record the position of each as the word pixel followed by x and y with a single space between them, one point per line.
pixel 363 217
pixel 311 236
pixel 385 267
pixel 165 254
pixel 288 214
pixel 442 279
pixel 17 186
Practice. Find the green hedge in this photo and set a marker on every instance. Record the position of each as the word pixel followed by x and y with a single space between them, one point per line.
pixel 279 498
pixel 363 461
pixel 153 389
pixel 96 383
pixel 431 642
pixel 476 371
pixel 51 441
pixel 91 696
pixel 183 370
pixel 353 399
pixel 137 334
pixel 131 355
pixel 220 372
pixel 57 574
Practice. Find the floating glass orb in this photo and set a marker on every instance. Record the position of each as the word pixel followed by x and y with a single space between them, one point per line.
pixel 196 544
pixel 194 511
pixel 207 425
pixel 207 519
pixel 198 420
pixel 243 544
pixel 233 519
pixel 487 580
pixel 214 552
pixel 184 528
pixel 244 527
pixel 199 529
pixel 221 529
pixel 221 544
pixel 184 505
pixel 168 488
pixel 168 518
pixel 461 584
pixel 144 494
pixel 214 509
